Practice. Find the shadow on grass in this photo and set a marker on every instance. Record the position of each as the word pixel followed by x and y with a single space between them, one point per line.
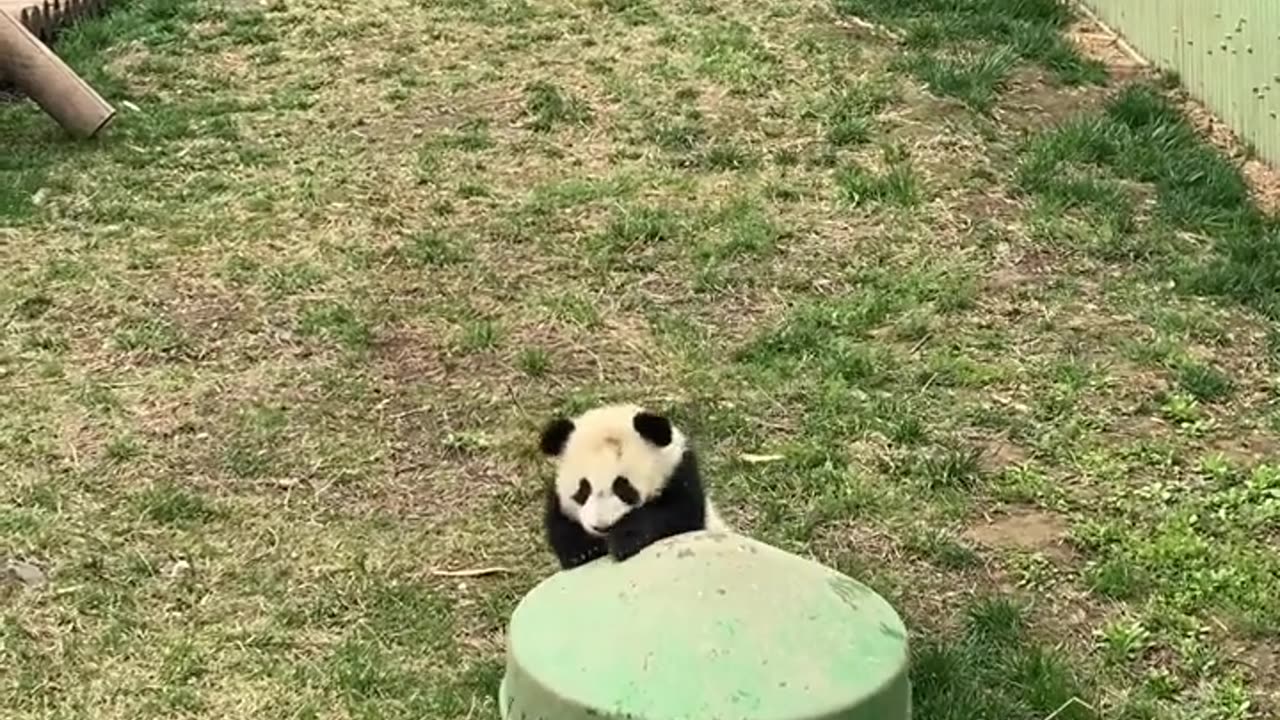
pixel 967 48
pixel 1204 228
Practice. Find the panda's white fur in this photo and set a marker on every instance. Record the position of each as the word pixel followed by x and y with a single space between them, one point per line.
pixel 604 446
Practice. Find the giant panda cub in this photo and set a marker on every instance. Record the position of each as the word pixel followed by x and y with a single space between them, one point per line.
pixel 625 478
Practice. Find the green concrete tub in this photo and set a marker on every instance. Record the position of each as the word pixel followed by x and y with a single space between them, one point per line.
pixel 705 626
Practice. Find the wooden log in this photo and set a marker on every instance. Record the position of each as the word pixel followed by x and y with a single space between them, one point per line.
pixel 33 68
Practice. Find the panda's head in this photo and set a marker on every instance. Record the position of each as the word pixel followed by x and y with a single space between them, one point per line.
pixel 610 460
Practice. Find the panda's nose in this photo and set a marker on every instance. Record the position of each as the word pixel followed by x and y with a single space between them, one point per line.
pixel 602 529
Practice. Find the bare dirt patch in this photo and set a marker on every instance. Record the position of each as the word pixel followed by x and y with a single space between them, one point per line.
pixel 1248 450
pixel 1000 454
pixel 1032 102
pixel 1024 529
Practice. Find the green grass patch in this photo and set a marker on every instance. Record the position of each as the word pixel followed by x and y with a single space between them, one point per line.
pixel 1095 162
pixel 966 48
pixel 680 135
pixel 547 106
pixel 336 322
pixel 740 228
pixel 480 334
pixel 995 668
pixel 633 12
pixel 1204 383
pixel 849 113
pixel 535 362
pixel 975 78
pixel 939 548
pixel 168 504
pixel 897 184
pixel 154 335
pixel 731 53
pixel 1204 554
pixel 254 447
pixel 431 248
pixel 637 234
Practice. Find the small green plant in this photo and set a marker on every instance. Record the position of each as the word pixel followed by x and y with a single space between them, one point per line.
pixel 729 156
pixel 950 467
pixel 681 135
pixel 940 549
pixel 850 114
pixel 1124 640
pixel 731 53
pixel 1273 347
pixel 123 449
pixel 574 309
pixel 337 322
pixel 169 504
pixel 633 12
pixel 480 334
pixel 740 228
pixel 897 185
pixel 1118 578
pixel 468 191
pixel 472 136
pixel 1182 408
pixel 1023 484
pixel 1203 382
pixel 976 78
pixel 905 427
pixel 548 106
pixel 534 361
pixel 292 278
pixel 1033 570
pixel 254 448
pixel 634 227
pixel 432 248
pixel 153 334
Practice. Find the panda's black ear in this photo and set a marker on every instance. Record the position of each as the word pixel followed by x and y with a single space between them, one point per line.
pixel 654 428
pixel 555 435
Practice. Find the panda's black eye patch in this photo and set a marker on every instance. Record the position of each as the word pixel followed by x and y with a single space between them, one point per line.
pixel 584 489
pixel 625 491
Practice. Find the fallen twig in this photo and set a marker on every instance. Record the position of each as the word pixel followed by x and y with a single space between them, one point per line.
pixel 1069 703
pixel 752 458
pixel 869 26
pixel 471 572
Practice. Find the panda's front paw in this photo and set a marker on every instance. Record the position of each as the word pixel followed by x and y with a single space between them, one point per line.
pixel 625 543
pixel 590 553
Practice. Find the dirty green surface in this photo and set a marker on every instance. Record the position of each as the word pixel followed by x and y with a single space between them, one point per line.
pixel 706 625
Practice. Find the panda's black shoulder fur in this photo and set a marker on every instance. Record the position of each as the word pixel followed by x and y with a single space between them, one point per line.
pixel 679 507
pixel 571 544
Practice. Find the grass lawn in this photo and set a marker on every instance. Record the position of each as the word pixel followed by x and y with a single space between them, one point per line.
pixel 275 349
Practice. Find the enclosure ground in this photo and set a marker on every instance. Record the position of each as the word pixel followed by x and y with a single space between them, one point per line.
pixel 945 305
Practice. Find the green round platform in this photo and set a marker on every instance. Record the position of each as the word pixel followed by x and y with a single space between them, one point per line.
pixel 705 626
